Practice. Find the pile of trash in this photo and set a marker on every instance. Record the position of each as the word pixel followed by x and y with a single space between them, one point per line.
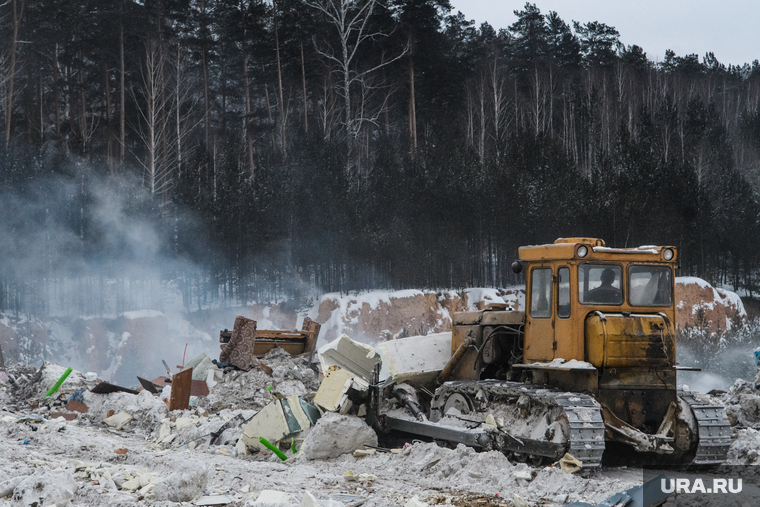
pixel 287 408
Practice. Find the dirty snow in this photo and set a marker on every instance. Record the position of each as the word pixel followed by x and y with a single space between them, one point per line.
pixel 141 314
pixel 160 458
pixel 561 363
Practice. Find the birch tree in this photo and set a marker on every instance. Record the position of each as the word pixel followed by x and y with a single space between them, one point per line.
pixel 351 21
pixel 17 8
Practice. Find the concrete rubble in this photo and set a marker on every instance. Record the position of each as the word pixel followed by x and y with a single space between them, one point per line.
pixel 184 485
pixel 131 449
pixel 336 434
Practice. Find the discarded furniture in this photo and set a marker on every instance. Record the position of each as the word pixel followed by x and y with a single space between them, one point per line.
pixel 244 343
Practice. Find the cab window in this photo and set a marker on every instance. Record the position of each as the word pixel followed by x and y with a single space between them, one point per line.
pixel 650 285
pixel 563 293
pixel 600 284
pixel 541 293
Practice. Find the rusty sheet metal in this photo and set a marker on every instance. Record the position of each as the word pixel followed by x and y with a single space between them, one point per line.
pixel 181 385
pixel 106 388
pixel 198 388
pixel 161 381
pixel 148 385
pixel 69 416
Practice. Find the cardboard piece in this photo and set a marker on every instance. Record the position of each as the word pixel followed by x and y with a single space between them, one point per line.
pixel 66 415
pixel 119 420
pixel 77 406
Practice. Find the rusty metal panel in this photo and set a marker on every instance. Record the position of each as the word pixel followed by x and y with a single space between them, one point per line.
pixel 466 370
pixel 106 388
pixel 198 388
pixel 629 340
pixel 148 385
pixel 505 318
pixel 467 318
pixel 181 385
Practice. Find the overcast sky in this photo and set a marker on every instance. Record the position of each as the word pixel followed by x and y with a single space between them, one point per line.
pixel 728 28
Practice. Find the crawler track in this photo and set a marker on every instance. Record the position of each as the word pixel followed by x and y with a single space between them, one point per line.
pixel 713 428
pixel 585 427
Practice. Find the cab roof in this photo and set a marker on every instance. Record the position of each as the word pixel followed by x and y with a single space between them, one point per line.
pixel 595 249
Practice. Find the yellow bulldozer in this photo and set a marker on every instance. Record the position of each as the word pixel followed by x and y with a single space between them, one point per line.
pixel 588 366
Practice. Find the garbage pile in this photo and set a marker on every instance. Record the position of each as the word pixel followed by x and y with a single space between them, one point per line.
pixel 284 406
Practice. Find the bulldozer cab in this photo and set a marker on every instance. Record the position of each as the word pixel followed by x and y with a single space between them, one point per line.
pixel 611 307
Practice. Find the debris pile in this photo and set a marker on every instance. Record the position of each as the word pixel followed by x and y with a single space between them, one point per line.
pixel 278 429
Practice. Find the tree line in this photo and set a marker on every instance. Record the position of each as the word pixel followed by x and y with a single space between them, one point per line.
pixel 358 144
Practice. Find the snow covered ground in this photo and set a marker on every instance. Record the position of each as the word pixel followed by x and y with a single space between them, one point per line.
pixel 159 458
pixel 167 458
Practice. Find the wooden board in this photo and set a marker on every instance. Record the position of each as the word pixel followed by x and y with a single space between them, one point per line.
pixel 181 384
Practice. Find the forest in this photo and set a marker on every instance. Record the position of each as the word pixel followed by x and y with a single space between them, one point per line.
pixel 248 150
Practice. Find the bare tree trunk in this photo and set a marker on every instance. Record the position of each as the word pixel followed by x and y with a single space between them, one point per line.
pixel 18 12
pixel 177 108
pixel 283 140
pixel 223 63
pixel 412 107
pixel 122 91
pixel 248 134
pixel 269 114
pixel 72 102
pixel 206 105
pixel 41 111
pixel 155 128
pixel 305 104
pixel 482 133
pixel 106 92
pixel 551 100
pixel 470 129
pixel 83 126
pixel 56 92
pixel 537 102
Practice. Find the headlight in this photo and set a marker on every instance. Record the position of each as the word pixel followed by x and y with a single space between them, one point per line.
pixel 582 251
pixel 668 254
